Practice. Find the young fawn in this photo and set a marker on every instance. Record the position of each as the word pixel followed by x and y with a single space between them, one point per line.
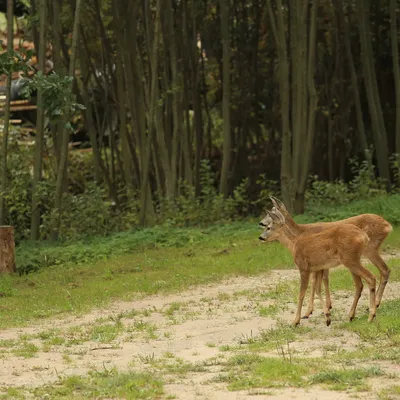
pixel 316 252
pixel 373 225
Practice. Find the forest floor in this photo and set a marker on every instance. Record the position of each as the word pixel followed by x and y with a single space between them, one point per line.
pixel 229 340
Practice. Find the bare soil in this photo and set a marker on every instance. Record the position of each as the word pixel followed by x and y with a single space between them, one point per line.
pixel 191 326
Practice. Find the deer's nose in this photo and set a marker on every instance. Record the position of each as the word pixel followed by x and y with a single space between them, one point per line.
pixel 262 225
pixel 261 238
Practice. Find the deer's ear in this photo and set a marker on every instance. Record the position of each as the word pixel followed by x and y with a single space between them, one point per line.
pixel 278 217
pixel 277 203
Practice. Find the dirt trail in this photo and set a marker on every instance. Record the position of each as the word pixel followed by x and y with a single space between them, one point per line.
pixel 190 326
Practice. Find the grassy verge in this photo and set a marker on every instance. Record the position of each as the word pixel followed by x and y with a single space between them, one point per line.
pixel 180 260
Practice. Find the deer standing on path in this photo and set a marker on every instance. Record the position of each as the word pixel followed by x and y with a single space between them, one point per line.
pixel 315 252
pixel 376 227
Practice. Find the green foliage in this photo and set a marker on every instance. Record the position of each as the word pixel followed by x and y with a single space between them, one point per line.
pixel 58 99
pixel 385 205
pixel 15 61
pixel 338 193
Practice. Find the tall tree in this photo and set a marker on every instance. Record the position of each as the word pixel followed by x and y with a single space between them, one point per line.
pixel 62 167
pixel 396 67
pixel 4 148
pixel 379 132
pixel 298 100
pixel 226 99
pixel 37 170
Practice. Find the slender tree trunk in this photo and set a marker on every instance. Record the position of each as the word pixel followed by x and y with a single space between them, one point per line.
pixel 278 28
pixel 37 171
pixel 371 85
pixel 145 194
pixel 4 148
pixel 65 134
pixel 226 100
pixel 396 67
pixel 354 82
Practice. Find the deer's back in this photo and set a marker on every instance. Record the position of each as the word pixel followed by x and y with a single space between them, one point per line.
pixel 325 249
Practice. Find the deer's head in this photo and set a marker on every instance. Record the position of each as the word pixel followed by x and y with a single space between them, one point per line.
pixel 273 227
pixel 278 207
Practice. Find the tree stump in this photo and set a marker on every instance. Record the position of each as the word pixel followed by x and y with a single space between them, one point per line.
pixel 7 250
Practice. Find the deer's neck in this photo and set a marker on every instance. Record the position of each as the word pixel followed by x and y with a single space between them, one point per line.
pixel 288 238
pixel 295 228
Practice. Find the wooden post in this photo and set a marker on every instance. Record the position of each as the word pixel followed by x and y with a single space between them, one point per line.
pixel 7 250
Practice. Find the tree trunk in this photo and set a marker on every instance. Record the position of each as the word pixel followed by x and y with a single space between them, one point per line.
pixel 145 193
pixel 65 134
pixel 226 100
pixel 7 250
pixel 371 85
pixel 4 148
pixel 396 67
pixel 37 170
pixel 278 28
pixel 354 83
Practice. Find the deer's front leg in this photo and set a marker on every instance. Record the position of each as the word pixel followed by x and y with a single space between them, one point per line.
pixel 310 308
pixel 304 279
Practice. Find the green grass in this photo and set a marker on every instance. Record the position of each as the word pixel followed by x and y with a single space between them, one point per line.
pixel 390 393
pixel 344 379
pixel 105 384
pixel 386 326
pixel 26 350
pixel 76 287
pixel 252 371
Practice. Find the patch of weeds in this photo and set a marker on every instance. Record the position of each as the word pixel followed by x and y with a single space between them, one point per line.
pixel 173 307
pixel 269 311
pixel 386 326
pixel 129 314
pixel 7 343
pixel 227 347
pixel 269 339
pixel 252 371
pixel 223 297
pixel 26 350
pixel 105 384
pixel 211 344
pixel 139 326
pixel 344 379
pixel 106 333
pixel 283 291
pixel 12 393
pixel 390 393
pixel 178 366
pixel 67 358
pixel 147 359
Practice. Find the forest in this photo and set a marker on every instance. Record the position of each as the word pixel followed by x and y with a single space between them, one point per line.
pixel 188 112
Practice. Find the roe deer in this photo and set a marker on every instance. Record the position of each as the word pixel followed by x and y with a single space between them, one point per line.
pixel 315 252
pixel 373 225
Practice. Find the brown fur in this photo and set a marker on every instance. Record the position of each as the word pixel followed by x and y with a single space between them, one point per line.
pixel 316 252
pixel 377 229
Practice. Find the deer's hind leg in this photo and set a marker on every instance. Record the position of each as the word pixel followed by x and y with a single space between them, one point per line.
pixel 372 253
pixel 357 269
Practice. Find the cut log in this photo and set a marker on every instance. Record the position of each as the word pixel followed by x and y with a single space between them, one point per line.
pixel 7 250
